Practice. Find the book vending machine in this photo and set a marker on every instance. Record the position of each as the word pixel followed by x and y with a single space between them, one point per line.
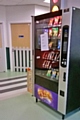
pixel 56 54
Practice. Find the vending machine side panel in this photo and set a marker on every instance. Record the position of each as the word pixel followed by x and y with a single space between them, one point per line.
pixel 33 53
pixel 64 60
pixel 73 94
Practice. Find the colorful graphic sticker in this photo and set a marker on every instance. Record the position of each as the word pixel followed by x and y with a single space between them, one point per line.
pixel 46 96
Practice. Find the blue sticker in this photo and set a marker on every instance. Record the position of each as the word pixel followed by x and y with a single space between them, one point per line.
pixel 21 36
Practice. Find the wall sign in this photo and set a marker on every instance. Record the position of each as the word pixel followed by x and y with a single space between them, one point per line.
pixel 55 3
pixel 21 36
pixel 55 8
pixel 61 4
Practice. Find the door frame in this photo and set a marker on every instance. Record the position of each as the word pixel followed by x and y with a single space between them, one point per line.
pixel 8 58
pixel 10 41
pixel 4 41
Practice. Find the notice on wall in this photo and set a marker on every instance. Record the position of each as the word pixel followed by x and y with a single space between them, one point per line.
pixel 44 42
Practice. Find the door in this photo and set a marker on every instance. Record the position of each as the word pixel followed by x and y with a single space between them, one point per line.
pixel 20 35
pixel 20 43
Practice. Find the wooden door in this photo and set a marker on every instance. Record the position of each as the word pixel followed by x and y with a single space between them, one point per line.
pixel 20 35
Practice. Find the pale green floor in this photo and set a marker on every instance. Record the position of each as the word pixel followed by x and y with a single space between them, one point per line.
pixel 10 74
pixel 23 107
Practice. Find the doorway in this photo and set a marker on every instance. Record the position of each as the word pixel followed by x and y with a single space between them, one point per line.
pixel 20 33
pixel 8 58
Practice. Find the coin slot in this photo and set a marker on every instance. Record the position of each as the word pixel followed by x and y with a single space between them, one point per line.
pixel 62 93
pixel 64 76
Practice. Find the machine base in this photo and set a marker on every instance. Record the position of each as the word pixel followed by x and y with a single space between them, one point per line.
pixel 63 117
pixel 36 100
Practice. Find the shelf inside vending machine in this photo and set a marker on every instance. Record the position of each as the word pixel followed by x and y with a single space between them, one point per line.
pixel 43 73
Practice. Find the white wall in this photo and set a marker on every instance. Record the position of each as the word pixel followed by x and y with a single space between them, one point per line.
pixel 2 14
pixel 41 10
pixel 3 21
pixel 20 13
pixel 4 35
pixel 64 4
pixel 70 3
pixel 73 3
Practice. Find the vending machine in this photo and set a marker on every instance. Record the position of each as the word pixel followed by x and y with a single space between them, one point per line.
pixel 56 59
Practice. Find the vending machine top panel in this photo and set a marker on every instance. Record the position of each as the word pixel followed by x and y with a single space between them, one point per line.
pixel 48 15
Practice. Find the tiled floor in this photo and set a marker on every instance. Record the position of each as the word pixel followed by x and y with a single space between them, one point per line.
pixel 23 107
pixel 10 74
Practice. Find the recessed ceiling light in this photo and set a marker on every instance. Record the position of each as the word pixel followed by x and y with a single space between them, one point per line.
pixel 47 1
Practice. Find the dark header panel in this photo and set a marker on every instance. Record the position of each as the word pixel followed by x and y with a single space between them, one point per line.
pixel 50 85
pixel 49 15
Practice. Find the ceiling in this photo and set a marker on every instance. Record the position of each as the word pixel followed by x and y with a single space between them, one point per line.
pixel 23 2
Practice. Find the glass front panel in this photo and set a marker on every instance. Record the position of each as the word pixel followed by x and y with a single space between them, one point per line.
pixel 48 43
